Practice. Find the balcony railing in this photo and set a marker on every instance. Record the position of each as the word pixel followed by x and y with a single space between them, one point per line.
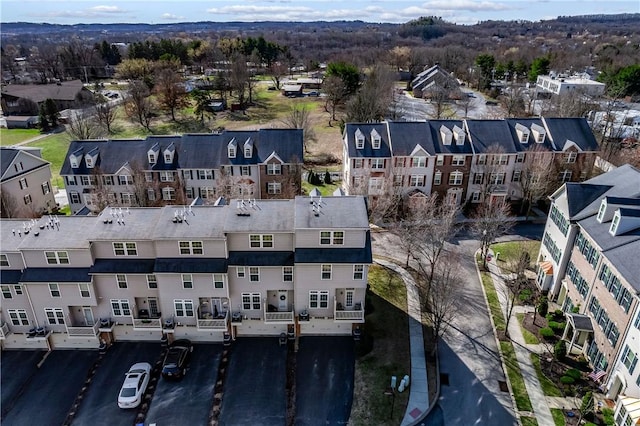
pixel 4 330
pixel 147 323
pixel 83 331
pixel 213 323
pixel 281 317
pixel 355 314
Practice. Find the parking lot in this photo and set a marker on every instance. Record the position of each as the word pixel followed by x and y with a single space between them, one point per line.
pixel 99 406
pixel 43 396
pixel 188 402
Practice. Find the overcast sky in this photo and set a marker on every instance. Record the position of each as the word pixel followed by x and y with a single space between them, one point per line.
pixel 396 11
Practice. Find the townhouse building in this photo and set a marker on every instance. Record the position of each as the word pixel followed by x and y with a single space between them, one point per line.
pixel 253 267
pixel 465 160
pixel 161 170
pixel 587 264
pixel 25 183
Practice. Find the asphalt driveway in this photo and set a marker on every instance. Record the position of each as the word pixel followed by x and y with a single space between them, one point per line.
pixel 100 404
pixel 188 401
pixel 18 368
pixel 324 380
pixel 48 396
pixel 254 389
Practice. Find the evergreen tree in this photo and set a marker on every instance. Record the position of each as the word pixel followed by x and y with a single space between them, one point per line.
pixel 327 177
pixel 44 121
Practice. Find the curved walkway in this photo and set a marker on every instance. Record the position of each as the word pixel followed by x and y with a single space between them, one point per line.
pixel 418 404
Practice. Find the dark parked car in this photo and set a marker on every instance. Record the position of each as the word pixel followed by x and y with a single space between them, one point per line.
pixel 176 360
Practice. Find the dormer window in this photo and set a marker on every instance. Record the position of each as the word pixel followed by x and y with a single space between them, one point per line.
pixel 231 148
pixel 152 158
pixel 523 133
pixel 602 210
pixel 248 148
pixel 73 160
pixel 89 162
pixel 359 139
pixel 459 135
pixel 168 154
pixel 446 135
pixel 375 139
pixel 538 133
pixel 614 223
pixel 91 158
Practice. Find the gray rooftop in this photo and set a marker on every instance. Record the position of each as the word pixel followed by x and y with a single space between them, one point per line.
pixel 70 232
pixel 347 212
pixel 136 223
pixel 261 215
pixel 625 259
pixel 190 222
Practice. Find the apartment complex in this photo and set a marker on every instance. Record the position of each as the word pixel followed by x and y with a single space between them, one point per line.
pixel 25 183
pixel 262 267
pixel 588 264
pixel 162 170
pixel 562 84
pixel 465 160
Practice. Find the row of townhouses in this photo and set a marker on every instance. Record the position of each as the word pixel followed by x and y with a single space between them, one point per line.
pixel 265 267
pixel 25 183
pixel 160 170
pixel 465 160
pixel 588 263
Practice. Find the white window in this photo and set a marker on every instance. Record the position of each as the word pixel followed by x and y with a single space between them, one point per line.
pixel 54 316
pixel 18 316
pixel 570 157
pixel 358 163
pixel 455 178
pixel 4 261
pixel 231 151
pixel 418 161
pixel 6 292
pixel 377 163
pixel 17 289
pixel 183 307
pixel 417 180
pixel 287 273
pixel 205 174
pixel 120 308
pixel 240 271
pixel 565 176
pixel 261 241
pixel 251 301
pixel 496 178
pixel 23 183
pixel 168 193
pixel 121 280
pixel 46 188
pixel 254 274
pixel 18 166
pixel 73 160
pixel 482 160
pixel 397 180
pixel 359 142
pixel 27 199
pixel 439 160
pixel 189 192
pixel 457 160
pixel 325 272
pixel 629 359
pixel 332 237
pixel 148 177
pixel 75 197
pixel 245 170
pixel 274 188
pixel 207 192
pixel 152 157
pixel 187 281
pixel 125 249
pixel 191 247
pixel 57 257
pixel 127 198
pixel 376 184
pixel 107 180
pixel 375 142
pixel 318 299
pixel 437 178
pixel 520 157
pixel 516 175
pixel 218 281
pixel 614 223
pixel 478 178
pixel 151 194
pixel 475 197
pixel 125 180
pixel 84 290
pixel 358 272
pixel 166 176
pixel 274 169
pixel 152 281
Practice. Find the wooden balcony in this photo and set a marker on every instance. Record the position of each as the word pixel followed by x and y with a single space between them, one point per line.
pixel 84 331
pixel 213 323
pixel 4 330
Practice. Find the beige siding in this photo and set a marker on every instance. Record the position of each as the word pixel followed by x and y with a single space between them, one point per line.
pixel 171 248
pixel 310 238
pixel 240 241
pixel 15 261
pixel 77 259
pixel 104 250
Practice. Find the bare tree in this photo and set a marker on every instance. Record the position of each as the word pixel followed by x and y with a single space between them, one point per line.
pixel 299 117
pixel 534 182
pixel 491 220
pixel 291 184
pixel 138 105
pixel 83 125
pixel 171 91
pixel 9 206
pixel 372 100
pixel 277 70
pixel 513 101
pixel 239 77
pixel 514 286
pixel 399 57
pixel 336 92
pixel 105 114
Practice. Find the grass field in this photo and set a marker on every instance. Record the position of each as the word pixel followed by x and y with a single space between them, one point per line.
pixel 54 148
pixel 558 416
pixel 511 250
pixel 548 387
pixel 14 136
pixel 529 337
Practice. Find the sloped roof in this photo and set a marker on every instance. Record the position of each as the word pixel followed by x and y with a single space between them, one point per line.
pixel 336 255
pixel 581 195
pixel 8 155
pixel 6 158
pixel 406 135
pixel 577 130
pixel 368 151
pixel 491 136
pixel 261 258
pixel 61 275
pixel 454 148
pixel 182 265
pixel 527 122
pixel 64 91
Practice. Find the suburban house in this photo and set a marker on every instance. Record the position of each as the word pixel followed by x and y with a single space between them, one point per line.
pixel 162 170
pixel 434 80
pixel 25 99
pixel 465 160
pixel 560 84
pixel 259 267
pixel 25 183
pixel 588 264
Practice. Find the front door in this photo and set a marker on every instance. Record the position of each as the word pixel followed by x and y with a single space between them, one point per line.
pixel 88 316
pixel 348 299
pixel 282 301
pixel 153 306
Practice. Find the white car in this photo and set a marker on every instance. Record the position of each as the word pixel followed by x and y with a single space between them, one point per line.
pixel 135 383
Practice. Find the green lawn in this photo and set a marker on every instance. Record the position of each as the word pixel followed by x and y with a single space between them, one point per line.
pixel 511 250
pixel 548 387
pixel 54 149
pixel 558 416
pixel 529 421
pixel 515 377
pixel 326 189
pixel 14 136
pixel 529 337
pixel 494 303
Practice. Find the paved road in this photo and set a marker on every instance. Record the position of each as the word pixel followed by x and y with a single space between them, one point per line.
pixel 409 108
pixel 18 369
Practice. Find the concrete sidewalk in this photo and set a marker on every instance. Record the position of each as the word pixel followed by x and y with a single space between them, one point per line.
pixel 419 386
pixel 532 384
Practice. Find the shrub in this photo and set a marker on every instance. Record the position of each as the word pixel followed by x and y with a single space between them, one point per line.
pixel 607 414
pixel 543 306
pixel 557 327
pixel 560 350
pixel 572 372
pixel 525 295
pixel 546 332
pixel 567 380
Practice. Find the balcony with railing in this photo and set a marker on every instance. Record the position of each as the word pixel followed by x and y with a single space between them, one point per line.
pixel 4 330
pixel 352 314
pixel 272 314
pixel 209 322
pixel 147 321
pixel 83 330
